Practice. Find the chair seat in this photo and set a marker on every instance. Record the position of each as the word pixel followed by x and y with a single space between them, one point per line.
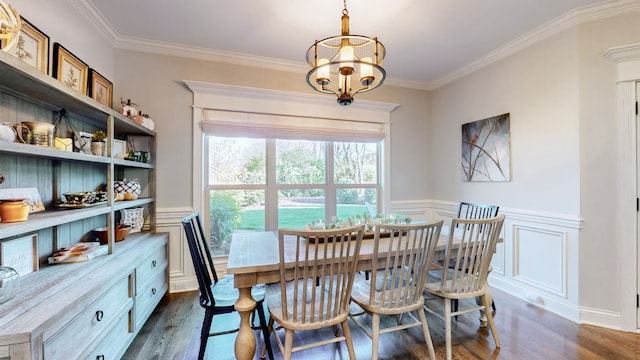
pixel 361 295
pixel 446 291
pixel 226 295
pixel 274 300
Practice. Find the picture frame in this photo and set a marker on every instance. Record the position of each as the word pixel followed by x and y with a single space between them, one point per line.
pixel 32 46
pixel 21 254
pixel 100 89
pixel 486 149
pixel 69 69
pixel 82 142
pixel 31 194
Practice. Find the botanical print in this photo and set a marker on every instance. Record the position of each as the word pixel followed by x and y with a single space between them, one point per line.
pixel 70 75
pixel 485 149
pixel 27 49
pixel 100 92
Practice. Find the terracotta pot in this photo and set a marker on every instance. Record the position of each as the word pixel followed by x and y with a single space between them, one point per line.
pixel 14 210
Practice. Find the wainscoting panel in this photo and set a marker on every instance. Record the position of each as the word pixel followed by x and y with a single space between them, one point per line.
pixel 181 273
pixel 540 259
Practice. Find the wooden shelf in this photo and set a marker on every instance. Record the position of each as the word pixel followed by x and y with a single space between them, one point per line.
pixel 49 218
pixel 26 82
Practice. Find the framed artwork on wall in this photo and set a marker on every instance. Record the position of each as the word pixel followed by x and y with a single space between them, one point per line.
pixel 70 70
pixel 100 89
pixel 486 149
pixel 32 47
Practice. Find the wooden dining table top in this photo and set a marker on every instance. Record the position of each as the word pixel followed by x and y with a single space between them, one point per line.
pixel 254 256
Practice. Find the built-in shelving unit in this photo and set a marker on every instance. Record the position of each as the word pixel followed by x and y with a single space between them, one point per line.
pixel 24 82
pixel 108 298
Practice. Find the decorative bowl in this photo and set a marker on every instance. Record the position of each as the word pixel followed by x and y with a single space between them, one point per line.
pixel 86 197
pixel 122 231
pixel 14 210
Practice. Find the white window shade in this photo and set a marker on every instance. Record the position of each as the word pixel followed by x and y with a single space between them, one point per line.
pixel 270 126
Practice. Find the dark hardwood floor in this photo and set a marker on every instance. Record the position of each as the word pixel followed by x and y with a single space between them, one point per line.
pixel 526 332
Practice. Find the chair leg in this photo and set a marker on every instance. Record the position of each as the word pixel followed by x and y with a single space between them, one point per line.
pixel 447 326
pixel 265 328
pixel 426 333
pixel 454 305
pixel 348 339
pixel 492 326
pixel 375 335
pixel 288 344
pixel 204 333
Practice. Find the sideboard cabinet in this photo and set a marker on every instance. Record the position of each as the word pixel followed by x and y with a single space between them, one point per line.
pixel 90 309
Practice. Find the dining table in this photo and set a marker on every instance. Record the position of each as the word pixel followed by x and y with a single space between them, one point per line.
pixel 254 259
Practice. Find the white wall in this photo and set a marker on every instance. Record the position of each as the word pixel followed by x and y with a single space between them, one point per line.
pixel 600 241
pixel 64 23
pixel 539 88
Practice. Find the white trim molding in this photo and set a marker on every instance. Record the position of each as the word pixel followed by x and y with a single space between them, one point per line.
pixel 627 58
pixel 181 273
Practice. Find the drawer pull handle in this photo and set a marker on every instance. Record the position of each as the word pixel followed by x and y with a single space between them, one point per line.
pixel 153 291
pixel 154 263
pixel 100 357
pixel 99 315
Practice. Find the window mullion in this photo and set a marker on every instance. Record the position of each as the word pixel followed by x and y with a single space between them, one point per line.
pixel 271 206
pixel 330 192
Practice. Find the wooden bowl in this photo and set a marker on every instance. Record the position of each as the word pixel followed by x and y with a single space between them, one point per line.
pixel 122 231
pixel 14 210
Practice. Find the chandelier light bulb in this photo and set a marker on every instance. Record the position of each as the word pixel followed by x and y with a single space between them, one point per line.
pixel 323 78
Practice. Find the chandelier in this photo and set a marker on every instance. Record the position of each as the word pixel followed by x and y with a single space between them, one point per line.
pixel 345 65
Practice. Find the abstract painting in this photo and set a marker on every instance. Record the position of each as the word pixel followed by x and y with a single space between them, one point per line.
pixel 486 149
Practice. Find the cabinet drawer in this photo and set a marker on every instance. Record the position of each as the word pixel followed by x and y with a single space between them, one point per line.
pixel 147 299
pixel 85 329
pixel 115 341
pixel 150 267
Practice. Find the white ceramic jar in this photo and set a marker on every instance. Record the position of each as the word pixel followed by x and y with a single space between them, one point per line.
pixel 7 133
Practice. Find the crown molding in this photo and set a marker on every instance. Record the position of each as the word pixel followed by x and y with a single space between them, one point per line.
pixel 623 53
pixel 566 21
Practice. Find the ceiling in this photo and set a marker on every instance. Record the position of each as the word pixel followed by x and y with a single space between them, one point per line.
pixel 426 41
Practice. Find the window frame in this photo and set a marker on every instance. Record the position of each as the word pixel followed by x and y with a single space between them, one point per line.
pixel 272 187
pixel 213 96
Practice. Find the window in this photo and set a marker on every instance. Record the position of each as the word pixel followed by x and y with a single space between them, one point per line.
pixel 257 184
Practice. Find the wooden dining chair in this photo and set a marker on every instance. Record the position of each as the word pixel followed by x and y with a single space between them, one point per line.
pixel 217 296
pixel 396 286
pixel 467 210
pixel 470 251
pixel 315 292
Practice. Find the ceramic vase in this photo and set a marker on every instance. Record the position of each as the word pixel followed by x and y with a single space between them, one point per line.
pixel 98 148
pixel 9 283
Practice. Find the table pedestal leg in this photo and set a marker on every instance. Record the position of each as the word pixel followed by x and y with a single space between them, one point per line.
pixel 245 347
pixel 483 315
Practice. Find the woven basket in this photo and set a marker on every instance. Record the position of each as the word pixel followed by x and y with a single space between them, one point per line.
pixel 41 133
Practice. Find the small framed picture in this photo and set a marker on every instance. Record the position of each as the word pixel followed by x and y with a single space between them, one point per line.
pixel 69 70
pixel 21 254
pixel 82 142
pixel 31 194
pixel 100 89
pixel 32 47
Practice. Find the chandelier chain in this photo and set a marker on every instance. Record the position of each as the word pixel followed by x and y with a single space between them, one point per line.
pixel 345 11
